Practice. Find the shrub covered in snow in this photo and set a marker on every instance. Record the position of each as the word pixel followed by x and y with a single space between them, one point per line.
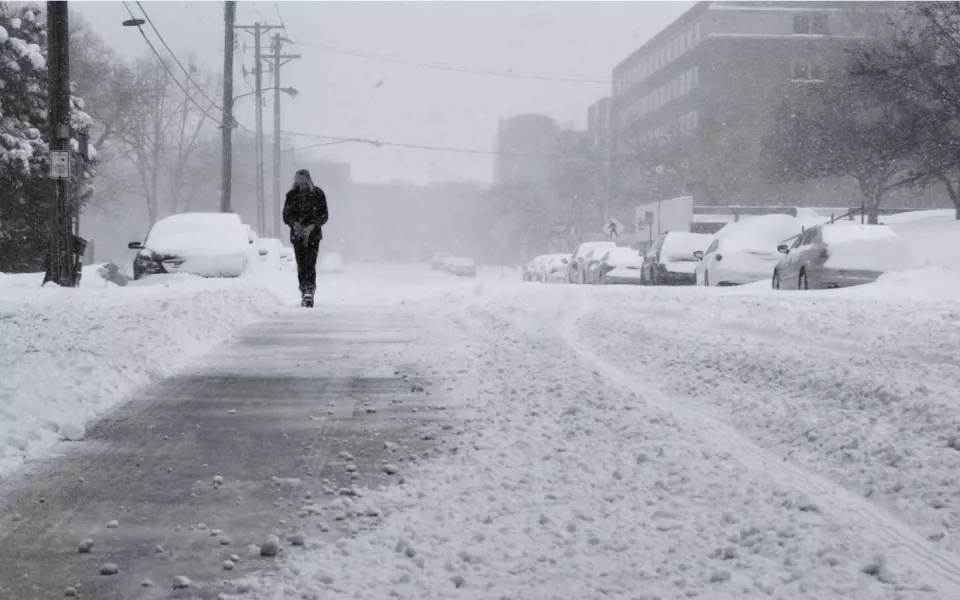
pixel 24 159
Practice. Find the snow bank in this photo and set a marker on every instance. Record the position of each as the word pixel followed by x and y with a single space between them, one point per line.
pixel 918 215
pixel 882 254
pixel 934 242
pixel 67 355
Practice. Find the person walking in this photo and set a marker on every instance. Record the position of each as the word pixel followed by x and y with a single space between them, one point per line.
pixel 305 213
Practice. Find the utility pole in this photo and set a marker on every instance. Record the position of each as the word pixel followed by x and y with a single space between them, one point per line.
pixel 277 57
pixel 226 132
pixel 60 267
pixel 258 30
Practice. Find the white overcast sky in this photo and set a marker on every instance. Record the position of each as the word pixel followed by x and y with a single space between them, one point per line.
pixel 340 95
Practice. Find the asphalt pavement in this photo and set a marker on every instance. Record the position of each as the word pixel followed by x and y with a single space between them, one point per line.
pixel 206 464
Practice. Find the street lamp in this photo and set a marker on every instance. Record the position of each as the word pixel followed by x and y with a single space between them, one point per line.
pixel 133 22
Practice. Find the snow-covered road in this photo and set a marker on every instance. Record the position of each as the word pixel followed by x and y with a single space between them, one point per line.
pixel 611 441
pixel 636 442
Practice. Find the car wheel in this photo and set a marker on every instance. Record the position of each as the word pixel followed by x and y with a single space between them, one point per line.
pixel 776 280
pixel 802 283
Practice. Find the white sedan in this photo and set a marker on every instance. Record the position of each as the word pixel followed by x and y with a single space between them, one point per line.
pixel 204 244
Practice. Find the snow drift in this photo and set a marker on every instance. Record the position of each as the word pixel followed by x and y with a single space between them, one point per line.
pixel 67 355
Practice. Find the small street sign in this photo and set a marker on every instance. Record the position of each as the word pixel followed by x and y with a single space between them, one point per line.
pixel 59 164
pixel 648 217
pixel 613 229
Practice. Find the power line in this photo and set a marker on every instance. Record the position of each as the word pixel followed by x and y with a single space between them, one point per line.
pixel 509 73
pixel 169 72
pixel 177 81
pixel 335 140
pixel 276 7
pixel 177 60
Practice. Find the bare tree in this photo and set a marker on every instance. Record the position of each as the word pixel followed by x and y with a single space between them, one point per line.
pixel 916 72
pixel 161 136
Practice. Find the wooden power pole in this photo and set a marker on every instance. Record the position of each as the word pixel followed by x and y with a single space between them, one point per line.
pixel 277 162
pixel 60 268
pixel 258 30
pixel 226 133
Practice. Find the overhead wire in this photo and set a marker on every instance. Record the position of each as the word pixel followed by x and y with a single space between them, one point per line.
pixel 276 7
pixel 169 71
pixel 177 60
pixel 508 73
pixel 335 140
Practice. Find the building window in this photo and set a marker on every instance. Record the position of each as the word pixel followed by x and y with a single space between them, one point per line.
pixel 810 24
pixel 696 33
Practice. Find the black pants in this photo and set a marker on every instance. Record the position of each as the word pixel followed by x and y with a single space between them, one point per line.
pixel 305 252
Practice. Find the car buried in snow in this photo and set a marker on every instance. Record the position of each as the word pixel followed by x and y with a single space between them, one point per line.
pixel 840 254
pixel 553 268
pixel 438 260
pixel 577 265
pixel 620 266
pixel 461 267
pixel 671 259
pixel 204 244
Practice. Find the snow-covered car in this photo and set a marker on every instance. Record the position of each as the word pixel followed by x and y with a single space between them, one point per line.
pixel 330 262
pixel 439 259
pixel 204 244
pixel 531 270
pixel 746 251
pixel 461 267
pixel 591 265
pixel 576 268
pixel 553 268
pixel 268 250
pixel 620 265
pixel 840 255
pixel 671 260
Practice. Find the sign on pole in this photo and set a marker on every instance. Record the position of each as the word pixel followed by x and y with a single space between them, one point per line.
pixel 648 217
pixel 613 228
pixel 60 164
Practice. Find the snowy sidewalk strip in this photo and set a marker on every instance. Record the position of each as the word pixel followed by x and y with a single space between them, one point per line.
pixel 567 484
pixel 66 356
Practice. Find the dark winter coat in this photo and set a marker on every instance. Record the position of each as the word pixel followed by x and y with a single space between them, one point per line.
pixel 306 208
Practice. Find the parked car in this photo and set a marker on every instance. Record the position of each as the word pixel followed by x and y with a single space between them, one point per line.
pixel 620 265
pixel 840 255
pixel 461 267
pixel 671 260
pixel 205 244
pixel 330 262
pixel 576 269
pixel 591 265
pixel 553 268
pixel 531 270
pixel 436 263
pixel 746 251
pixel 268 250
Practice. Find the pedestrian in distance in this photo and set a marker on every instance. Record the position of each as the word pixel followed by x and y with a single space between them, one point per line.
pixel 305 213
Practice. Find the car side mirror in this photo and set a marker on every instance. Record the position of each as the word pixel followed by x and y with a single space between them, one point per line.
pixel 783 249
pixel 135 245
pixel 698 255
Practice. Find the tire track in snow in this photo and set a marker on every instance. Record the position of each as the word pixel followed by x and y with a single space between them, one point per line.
pixel 939 569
